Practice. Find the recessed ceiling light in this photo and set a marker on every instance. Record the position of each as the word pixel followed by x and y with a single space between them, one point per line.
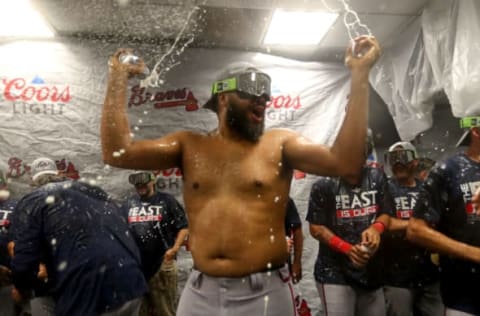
pixel 298 28
pixel 19 19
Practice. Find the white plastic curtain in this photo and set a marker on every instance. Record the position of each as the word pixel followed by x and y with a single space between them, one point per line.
pixel 439 50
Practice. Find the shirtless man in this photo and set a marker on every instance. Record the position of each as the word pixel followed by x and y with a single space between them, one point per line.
pixel 237 181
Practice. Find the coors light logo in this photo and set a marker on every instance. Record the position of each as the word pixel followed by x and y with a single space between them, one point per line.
pixel 35 97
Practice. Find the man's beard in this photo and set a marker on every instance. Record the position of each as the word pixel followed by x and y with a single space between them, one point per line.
pixel 145 192
pixel 404 172
pixel 238 121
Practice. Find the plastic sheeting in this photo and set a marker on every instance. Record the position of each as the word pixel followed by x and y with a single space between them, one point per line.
pixel 403 78
pixel 436 51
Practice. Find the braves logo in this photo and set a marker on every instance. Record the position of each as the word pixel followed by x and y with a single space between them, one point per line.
pixel 17 168
pixel 161 99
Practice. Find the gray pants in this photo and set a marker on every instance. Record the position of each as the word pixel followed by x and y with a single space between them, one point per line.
pixel 259 294
pixel 130 308
pixel 425 301
pixel 345 300
pixel 452 312
pixel 42 306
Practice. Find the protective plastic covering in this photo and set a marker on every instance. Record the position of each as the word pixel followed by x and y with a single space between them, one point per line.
pixel 403 78
pixel 435 51
pixel 452 31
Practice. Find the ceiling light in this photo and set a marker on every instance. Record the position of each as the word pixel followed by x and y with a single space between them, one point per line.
pixel 298 28
pixel 19 19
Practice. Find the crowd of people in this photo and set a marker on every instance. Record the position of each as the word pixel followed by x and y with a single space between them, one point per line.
pixel 408 244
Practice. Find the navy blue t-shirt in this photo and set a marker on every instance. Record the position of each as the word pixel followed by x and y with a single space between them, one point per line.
pixel 406 265
pixel 347 211
pixel 90 255
pixel 445 203
pixel 6 210
pixel 155 223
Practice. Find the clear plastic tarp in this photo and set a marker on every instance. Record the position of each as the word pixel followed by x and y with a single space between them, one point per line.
pixel 436 51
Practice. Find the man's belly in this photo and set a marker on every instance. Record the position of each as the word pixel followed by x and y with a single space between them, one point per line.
pixel 239 257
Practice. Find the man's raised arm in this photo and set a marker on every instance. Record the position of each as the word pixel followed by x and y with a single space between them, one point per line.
pixel 118 148
pixel 349 146
pixel 347 155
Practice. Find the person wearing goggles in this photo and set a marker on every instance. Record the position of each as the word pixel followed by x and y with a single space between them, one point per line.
pixel 159 226
pixel 402 159
pixel 250 86
pixel 142 178
pixel 237 180
pixel 411 278
pixel 446 220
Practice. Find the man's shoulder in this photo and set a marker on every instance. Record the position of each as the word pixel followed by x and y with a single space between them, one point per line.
pixel 277 136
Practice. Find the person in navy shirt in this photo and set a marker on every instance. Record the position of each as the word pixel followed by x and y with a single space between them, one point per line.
pixel 159 226
pixel 446 220
pixel 347 216
pixel 92 261
pixel 411 278
pixel 7 205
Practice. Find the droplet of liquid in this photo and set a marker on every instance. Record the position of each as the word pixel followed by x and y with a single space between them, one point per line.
pixel 62 266
pixel 50 199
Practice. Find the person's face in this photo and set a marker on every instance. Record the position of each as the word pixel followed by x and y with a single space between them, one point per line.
pixel 145 190
pixel 246 115
pixel 403 170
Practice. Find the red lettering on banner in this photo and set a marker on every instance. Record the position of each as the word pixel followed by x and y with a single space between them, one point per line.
pixel 65 168
pixel 404 213
pixel 284 102
pixel 169 172
pixel 16 168
pixel 18 90
pixel 161 99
